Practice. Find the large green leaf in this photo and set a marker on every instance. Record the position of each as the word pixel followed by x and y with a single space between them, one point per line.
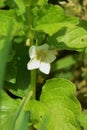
pixel 69 38
pixel 50 19
pixel 58 108
pixel 12 114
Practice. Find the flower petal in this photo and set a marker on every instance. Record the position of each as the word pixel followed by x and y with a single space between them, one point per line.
pixel 33 64
pixel 44 67
pixel 43 47
pixel 50 57
pixel 32 52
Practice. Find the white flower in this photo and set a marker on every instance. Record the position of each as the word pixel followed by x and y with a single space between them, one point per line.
pixel 40 57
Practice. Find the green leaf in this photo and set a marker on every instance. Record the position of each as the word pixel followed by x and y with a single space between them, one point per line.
pixel 7 111
pixel 69 38
pixel 30 2
pixel 58 108
pixel 51 18
pixel 5 44
pixel 35 2
pixel 83 120
pixel 12 114
pixel 19 71
pixel 42 2
pixel 63 63
pixel 21 6
pixel 22 121
pixel 7 17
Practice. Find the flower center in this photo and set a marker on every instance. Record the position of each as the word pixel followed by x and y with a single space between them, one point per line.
pixel 41 55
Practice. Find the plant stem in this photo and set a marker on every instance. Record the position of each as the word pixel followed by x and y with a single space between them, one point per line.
pixel 31 37
pixel 33 83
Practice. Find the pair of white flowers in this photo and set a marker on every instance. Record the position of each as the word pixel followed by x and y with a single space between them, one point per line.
pixel 40 57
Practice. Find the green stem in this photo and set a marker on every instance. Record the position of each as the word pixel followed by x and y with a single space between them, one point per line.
pixel 29 22
pixel 31 37
pixel 33 83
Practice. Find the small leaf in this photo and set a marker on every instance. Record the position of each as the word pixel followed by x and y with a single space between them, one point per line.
pixel 63 63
